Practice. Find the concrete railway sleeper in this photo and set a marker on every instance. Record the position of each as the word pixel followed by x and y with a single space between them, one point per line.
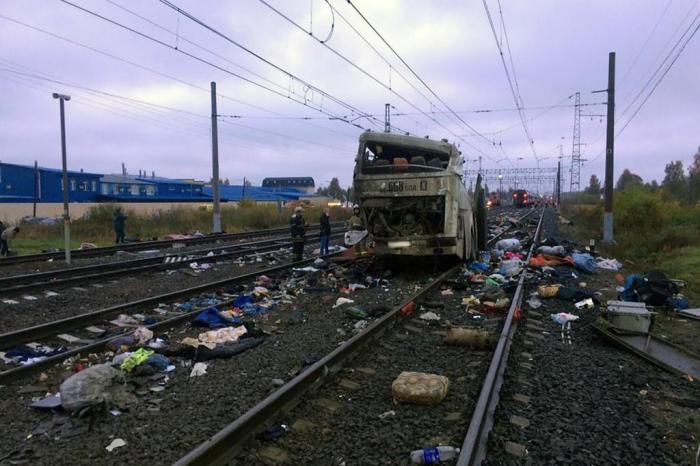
pixel 47 329
pixel 170 326
pixel 146 245
pixel 18 284
pixel 51 329
pixel 349 411
pixel 187 405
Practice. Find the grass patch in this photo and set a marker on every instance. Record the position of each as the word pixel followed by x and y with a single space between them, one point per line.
pixel 96 226
pixel 684 264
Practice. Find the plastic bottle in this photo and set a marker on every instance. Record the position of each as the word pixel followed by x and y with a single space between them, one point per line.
pixel 434 455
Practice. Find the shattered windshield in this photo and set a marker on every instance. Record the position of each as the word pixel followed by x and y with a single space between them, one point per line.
pixel 384 158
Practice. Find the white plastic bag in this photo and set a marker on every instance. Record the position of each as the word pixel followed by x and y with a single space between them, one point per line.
pixel 509 244
pixel 353 237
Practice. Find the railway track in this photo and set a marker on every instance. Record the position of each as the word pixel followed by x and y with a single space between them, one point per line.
pixel 169 324
pixel 148 245
pixel 46 333
pixel 18 284
pixel 345 413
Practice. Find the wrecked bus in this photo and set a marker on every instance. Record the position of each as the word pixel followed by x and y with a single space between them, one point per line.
pixel 412 197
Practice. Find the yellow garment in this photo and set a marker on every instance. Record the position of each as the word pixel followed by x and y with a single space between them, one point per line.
pixel 136 359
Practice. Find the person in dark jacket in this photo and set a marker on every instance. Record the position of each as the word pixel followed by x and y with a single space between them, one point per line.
pixel 325 222
pixel 297 228
pixel 5 238
pixel 118 222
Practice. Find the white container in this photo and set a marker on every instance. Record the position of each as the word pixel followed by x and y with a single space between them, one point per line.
pixel 629 317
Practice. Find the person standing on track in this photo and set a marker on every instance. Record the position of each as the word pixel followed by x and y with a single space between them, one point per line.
pixel 6 238
pixel 118 221
pixel 297 227
pixel 357 224
pixel 325 222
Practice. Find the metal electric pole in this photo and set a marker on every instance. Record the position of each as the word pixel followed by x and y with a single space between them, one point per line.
pixel 609 153
pixel 387 118
pixel 557 190
pixel 215 161
pixel 66 214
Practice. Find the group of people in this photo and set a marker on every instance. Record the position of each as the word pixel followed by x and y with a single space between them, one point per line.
pixel 298 225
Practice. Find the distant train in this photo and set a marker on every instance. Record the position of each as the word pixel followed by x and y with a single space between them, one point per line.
pixel 522 198
pixel 413 200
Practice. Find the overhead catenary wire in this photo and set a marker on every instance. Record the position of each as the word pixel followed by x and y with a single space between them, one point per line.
pixel 279 68
pixel 511 84
pixel 646 42
pixel 227 71
pixel 155 71
pixel 138 101
pixel 673 56
pixel 422 81
pixel 366 73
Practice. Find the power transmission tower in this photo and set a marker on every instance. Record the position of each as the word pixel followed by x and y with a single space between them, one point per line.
pixel 575 183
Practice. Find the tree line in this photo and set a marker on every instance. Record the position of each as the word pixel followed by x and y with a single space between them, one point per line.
pixel 682 187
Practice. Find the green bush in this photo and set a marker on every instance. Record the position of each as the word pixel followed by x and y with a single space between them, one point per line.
pixel 96 225
pixel 648 224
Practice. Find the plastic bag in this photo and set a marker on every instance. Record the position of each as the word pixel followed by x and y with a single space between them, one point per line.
pixel 420 388
pixel 353 237
pixel 552 250
pixel 609 264
pixel 563 317
pixel 509 244
pixel 88 387
pixel 510 268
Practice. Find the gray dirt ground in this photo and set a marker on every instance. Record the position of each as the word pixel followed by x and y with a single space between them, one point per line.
pixel 592 402
pixel 164 426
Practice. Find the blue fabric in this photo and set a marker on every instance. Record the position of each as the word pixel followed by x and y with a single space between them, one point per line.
pixel 211 318
pixel 584 262
pixel 22 353
pixel 629 294
pixel 678 303
pixel 324 245
pixel 158 361
pixel 480 266
pixel 242 300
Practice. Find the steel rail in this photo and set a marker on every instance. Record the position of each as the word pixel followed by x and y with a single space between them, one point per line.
pixel 222 446
pixel 77 275
pixel 31 333
pixel 144 245
pixel 474 447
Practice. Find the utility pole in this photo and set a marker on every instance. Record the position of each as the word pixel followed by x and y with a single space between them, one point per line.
pixel 479 164
pixel 36 187
pixel 66 214
pixel 609 153
pixel 215 161
pixel 387 118
pixel 557 191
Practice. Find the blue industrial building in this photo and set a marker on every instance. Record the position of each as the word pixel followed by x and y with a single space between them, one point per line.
pixel 24 184
pixel 300 183
pixel 128 188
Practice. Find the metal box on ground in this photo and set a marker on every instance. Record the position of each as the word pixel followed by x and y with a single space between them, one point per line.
pixel 629 317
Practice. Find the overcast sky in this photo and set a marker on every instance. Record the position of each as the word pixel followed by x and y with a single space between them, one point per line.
pixel 558 47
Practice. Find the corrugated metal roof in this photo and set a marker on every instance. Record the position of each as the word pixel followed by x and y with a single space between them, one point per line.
pixel 52 170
